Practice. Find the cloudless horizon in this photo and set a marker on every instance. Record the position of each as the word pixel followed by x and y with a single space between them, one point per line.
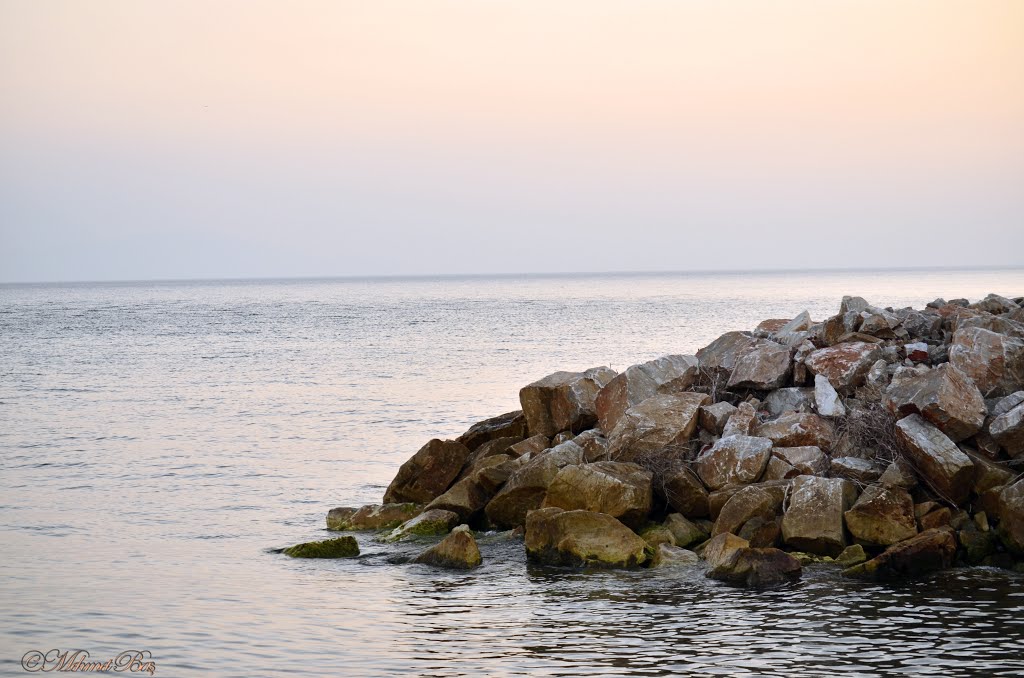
pixel 230 139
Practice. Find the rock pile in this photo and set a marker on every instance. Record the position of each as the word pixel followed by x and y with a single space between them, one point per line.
pixel 889 441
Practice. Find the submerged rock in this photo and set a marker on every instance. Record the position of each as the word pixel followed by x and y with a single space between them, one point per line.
pixel 581 539
pixel 563 401
pixel 342 547
pixel 757 567
pixel 929 551
pixel 372 516
pixel 456 551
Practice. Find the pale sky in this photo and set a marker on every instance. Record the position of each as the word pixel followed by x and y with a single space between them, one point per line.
pixel 249 138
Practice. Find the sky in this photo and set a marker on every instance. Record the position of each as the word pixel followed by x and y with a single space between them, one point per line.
pixel 249 138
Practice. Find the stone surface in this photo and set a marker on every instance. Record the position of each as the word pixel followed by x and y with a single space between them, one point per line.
pixel 944 396
pixel 737 459
pixel 1011 517
pixel 763 366
pixel 814 519
pixel 1008 431
pixel 721 355
pixel 657 534
pixel 748 502
pixel 936 458
pixel 719 549
pixel 685 493
pixel 741 422
pixel 995 362
pixel 372 516
pixel 668 374
pixel 456 551
pixel 899 474
pixel 826 399
pixel 427 524
pixel 762 532
pixel 792 399
pixel 563 401
pixel 844 365
pixel 882 516
pixel 929 551
pixel 342 547
pixel 777 469
pixel 656 423
pixel 531 445
pixel 987 474
pixel 668 556
pixel 684 531
pixel 798 430
pixel 622 490
pixel 509 425
pixel 595 446
pixel 757 567
pixel 852 555
pixel 526 488
pixel 465 498
pixel 808 460
pixel 581 539
pixel 855 468
pixel 713 417
pixel 428 473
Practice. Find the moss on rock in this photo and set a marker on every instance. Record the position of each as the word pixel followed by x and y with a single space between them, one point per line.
pixel 342 547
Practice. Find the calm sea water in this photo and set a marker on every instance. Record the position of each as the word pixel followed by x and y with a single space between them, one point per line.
pixel 157 438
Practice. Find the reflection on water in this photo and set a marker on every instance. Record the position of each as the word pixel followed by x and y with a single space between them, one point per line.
pixel 156 440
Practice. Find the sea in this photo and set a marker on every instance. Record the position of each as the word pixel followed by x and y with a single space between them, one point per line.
pixel 158 440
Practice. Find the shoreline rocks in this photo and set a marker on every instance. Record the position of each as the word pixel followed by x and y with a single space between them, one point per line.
pixel 886 441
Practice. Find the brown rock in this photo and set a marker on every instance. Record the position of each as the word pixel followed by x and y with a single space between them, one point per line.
pixel 720 548
pixel 995 362
pixel 844 365
pixel 1011 517
pixel 948 470
pixel 777 469
pixel 1008 431
pixel 855 468
pixel 749 502
pixel 722 354
pixel 531 445
pixel 563 401
pixel 581 539
pixel 595 446
pixel 882 515
pixel 526 488
pixel 762 532
pixel 684 532
pixel 741 422
pixel 798 430
pixel 936 518
pixel 654 424
pixel 808 460
pixel 757 567
pixel 814 520
pixel 713 417
pixel 372 517
pixel 428 473
pixel 622 490
pixel 456 551
pixel 987 474
pixel 685 493
pixel 737 459
pixel 899 474
pixel 929 551
pixel 509 425
pixel 944 396
pixel 763 366
pixel 667 555
pixel 668 374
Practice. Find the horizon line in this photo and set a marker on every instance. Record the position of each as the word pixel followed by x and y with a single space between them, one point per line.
pixel 540 274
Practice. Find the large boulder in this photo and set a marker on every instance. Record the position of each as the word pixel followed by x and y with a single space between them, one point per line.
pixel 658 422
pixel 526 487
pixel 428 473
pixel 457 551
pixel 342 547
pixel 939 461
pixel 763 366
pixel 754 567
pixel 945 396
pixel 563 401
pixel 929 551
pixel 844 365
pixel 1011 517
pixel 736 460
pixel 814 519
pixel 995 362
pixel 721 355
pixel 720 549
pixel 372 516
pixel 465 498
pixel 509 425
pixel 796 429
pixel 684 491
pixel 622 490
pixel 581 539
pixel 668 374
pixel 748 503
pixel 882 515
pixel 1008 431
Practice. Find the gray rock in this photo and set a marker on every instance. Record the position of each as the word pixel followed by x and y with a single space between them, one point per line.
pixel 734 460
pixel 826 399
pixel 948 470
pixel 792 399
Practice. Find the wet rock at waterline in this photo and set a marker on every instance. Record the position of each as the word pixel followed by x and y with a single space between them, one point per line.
pixel 342 547
pixel 457 551
pixel 581 539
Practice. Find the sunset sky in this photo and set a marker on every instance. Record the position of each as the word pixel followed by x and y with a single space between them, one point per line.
pixel 213 138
